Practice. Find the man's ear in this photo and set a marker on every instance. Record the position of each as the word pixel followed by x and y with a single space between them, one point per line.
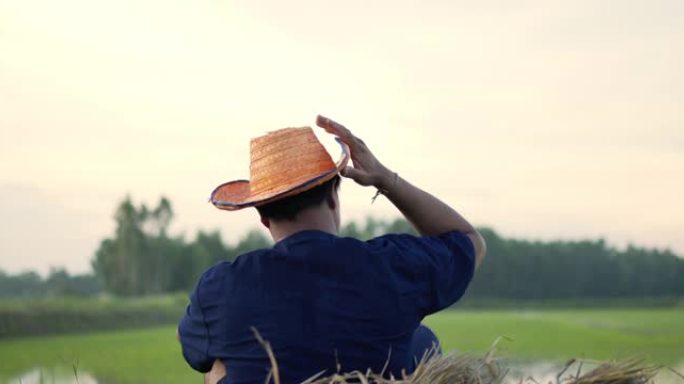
pixel 266 222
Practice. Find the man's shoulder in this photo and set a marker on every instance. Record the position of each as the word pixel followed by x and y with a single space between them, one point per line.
pixel 451 239
pixel 221 268
pixel 382 244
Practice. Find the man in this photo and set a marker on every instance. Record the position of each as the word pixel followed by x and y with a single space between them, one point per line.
pixel 324 302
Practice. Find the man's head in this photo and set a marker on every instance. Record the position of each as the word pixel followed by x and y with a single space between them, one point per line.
pixel 323 197
pixel 293 183
pixel 283 163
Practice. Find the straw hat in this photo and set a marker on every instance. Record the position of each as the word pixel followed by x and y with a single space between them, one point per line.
pixel 282 163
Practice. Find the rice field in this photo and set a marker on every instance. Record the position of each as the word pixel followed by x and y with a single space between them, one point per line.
pixel 153 356
pixel 653 333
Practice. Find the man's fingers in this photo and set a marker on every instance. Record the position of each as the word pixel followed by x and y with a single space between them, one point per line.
pixel 326 122
pixel 350 172
pixel 358 176
pixel 335 128
pixel 330 125
pixel 357 145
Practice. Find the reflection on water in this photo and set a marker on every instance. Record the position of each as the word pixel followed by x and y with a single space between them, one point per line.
pixel 541 372
pixel 666 376
pixel 547 372
pixel 53 376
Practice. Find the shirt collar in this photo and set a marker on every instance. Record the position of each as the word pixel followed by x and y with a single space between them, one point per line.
pixel 303 237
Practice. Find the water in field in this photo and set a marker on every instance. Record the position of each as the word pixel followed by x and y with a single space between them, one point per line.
pixel 527 373
pixel 60 375
pixel 547 372
pixel 666 376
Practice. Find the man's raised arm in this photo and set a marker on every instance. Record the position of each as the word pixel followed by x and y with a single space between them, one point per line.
pixel 428 214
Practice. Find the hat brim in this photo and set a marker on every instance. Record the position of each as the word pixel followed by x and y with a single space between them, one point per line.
pixel 235 195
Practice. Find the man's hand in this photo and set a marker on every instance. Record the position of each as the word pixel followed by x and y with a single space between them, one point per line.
pixel 367 170
pixel 218 371
pixel 429 215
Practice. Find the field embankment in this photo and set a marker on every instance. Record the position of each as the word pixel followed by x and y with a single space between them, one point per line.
pixel 56 315
pixel 47 316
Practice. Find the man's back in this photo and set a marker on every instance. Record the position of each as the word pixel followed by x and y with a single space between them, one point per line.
pixel 323 302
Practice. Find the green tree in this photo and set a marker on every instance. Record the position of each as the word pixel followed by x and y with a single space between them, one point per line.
pixel 136 260
pixel 27 284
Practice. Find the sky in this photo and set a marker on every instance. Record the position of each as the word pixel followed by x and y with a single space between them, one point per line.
pixel 541 119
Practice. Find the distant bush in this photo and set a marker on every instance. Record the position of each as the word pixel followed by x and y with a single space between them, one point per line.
pixel 75 315
pixel 57 283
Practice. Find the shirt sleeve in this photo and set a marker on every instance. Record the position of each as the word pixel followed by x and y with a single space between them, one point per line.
pixel 194 335
pixel 437 268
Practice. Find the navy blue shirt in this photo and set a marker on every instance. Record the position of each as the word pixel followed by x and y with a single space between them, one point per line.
pixel 322 300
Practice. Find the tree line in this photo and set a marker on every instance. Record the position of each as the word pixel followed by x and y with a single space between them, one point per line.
pixel 58 283
pixel 532 270
pixel 142 258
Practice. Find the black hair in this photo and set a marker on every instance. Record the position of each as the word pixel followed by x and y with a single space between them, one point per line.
pixel 289 207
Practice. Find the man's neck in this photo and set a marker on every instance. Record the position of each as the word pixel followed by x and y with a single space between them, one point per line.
pixel 311 219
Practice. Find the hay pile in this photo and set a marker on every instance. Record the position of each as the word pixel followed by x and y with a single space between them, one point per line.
pixel 433 368
pixel 456 368
pixel 464 369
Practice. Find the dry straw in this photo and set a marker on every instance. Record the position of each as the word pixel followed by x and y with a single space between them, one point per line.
pixel 456 368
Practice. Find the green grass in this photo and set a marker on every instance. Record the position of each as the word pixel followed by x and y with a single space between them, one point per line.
pixel 656 334
pixel 153 355
pixel 130 356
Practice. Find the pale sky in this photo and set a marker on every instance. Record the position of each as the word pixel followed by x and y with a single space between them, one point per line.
pixel 541 119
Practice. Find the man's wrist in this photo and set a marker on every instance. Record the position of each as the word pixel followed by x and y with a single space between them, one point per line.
pixel 386 180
